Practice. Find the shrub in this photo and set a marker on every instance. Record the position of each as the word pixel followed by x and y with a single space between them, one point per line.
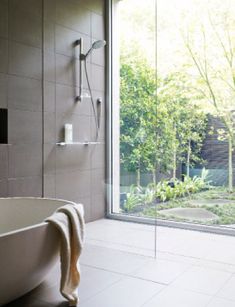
pixel 165 190
pixel 133 198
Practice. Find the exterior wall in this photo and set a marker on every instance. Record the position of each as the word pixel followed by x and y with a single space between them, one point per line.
pixel 38 84
pixel 215 153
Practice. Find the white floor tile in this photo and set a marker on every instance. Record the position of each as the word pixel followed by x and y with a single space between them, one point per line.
pixel 201 279
pixel 220 302
pixel 228 290
pixel 162 271
pixel 174 297
pixel 112 260
pixel 94 281
pixel 129 292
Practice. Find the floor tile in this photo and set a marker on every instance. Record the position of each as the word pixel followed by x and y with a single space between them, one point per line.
pixel 174 297
pixel 228 290
pixel 112 260
pixel 192 269
pixel 223 252
pixel 204 280
pixel 129 292
pixel 220 302
pixel 161 271
pixel 94 281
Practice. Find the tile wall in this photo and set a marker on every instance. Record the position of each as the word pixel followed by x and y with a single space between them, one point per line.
pixel 39 71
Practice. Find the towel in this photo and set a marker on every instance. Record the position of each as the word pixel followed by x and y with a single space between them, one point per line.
pixel 69 220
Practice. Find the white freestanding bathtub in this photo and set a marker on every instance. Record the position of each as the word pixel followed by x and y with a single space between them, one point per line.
pixel 28 246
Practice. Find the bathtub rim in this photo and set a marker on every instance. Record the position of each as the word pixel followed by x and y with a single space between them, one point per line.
pixel 9 233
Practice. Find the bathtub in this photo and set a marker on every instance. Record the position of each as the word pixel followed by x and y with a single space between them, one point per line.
pixel 28 246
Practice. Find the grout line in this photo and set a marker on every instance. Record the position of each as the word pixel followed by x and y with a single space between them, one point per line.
pixel 152 297
pixel 11 40
pixel 232 275
pixel 124 274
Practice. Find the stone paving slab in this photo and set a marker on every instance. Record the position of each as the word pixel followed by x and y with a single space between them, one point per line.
pixel 199 214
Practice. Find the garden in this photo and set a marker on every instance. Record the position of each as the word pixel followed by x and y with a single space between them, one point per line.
pixel 177 126
pixel 192 200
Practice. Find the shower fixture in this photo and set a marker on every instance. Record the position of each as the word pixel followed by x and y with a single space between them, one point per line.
pixel 96 45
pixel 83 57
pixel 83 60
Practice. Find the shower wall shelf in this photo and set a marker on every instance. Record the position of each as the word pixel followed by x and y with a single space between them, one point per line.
pixel 78 143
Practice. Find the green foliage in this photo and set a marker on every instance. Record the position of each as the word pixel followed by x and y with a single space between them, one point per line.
pixel 187 122
pixel 138 106
pixel 165 192
pixel 133 199
pixel 148 197
pixel 226 213
pixel 157 132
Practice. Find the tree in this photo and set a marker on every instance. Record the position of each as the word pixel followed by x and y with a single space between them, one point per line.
pixel 138 102
pixel 187 121
pixel 216 71
pixel 158 131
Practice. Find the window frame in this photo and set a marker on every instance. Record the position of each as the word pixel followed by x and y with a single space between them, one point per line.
pixel 110 83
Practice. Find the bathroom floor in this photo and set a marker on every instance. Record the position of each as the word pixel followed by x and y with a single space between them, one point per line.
pixel 118 269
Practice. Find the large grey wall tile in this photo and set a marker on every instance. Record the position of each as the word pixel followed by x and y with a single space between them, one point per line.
pixel 25 160
pixel 73 185
pixel 49 24
pixel 3 161
pixel 49 159
pixel 66 102
pixel 24 94
pixel 101 128
pixel 65 70
pixel 4 18
pixel 28 186
pixel 25 60
pixel 98 207
pixel 97 26
pixel 98 182
pixel 25 21
pixel 65 41
pixel 98 78
pixel 50 10
pixel 24 127
pixel 3 55
pixel 73 15
pixel 72 157
pixel 49 97
pixel 3 91
pixel 81 127
pixel 49 127
pixel 3 188
pixel 98 156
pixel 96 6
pixel 49 186
pixel 49 36
pixel 49 66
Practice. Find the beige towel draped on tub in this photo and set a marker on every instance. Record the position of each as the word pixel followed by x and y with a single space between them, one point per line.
pixel 69 220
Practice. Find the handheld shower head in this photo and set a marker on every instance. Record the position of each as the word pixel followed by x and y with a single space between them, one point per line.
pixel 96 45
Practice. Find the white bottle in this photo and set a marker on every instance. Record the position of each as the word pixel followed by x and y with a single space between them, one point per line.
pixel 68 133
